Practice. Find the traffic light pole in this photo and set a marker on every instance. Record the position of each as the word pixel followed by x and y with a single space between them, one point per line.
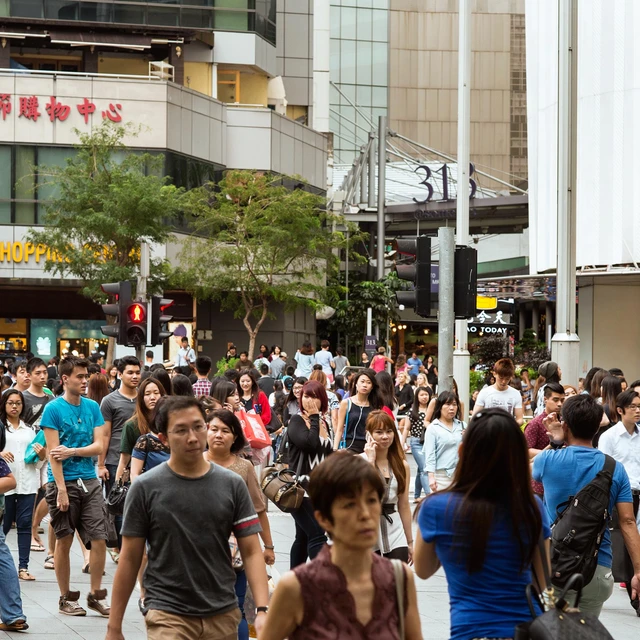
pixel 141 293
pixel 461 357
pixel 447 247
pixel 565 344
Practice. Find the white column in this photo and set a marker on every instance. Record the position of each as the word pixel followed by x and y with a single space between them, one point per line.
pixel 321 64
pixel 214 80
pixel 461 357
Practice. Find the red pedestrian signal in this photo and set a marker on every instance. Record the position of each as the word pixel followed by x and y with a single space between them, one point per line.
pixel 137 313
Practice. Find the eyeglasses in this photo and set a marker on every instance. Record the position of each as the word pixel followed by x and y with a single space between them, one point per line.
pixel 181 433
pixel 14 404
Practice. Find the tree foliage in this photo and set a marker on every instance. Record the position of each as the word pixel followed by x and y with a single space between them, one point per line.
pixel 350 318
pixel 256 243
pixel 107 201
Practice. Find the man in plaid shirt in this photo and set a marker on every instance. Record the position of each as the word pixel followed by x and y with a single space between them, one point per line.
pixel 202 386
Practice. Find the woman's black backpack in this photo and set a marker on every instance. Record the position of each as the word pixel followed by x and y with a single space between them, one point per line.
pixel 578 531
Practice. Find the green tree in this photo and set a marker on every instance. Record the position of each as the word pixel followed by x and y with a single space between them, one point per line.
pixel 350 318
pixel 257 243
pixel 106 201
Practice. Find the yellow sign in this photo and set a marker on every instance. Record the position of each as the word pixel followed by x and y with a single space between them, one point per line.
pixel 485 302
pixel 24 251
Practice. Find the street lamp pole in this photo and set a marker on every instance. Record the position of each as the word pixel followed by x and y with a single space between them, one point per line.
pixel 565 344
pixel 461 357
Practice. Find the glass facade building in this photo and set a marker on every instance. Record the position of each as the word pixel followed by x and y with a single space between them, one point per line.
pixel 258 16
pixel 360 69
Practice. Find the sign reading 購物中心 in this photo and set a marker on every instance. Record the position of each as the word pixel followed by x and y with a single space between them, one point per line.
pixel 30 108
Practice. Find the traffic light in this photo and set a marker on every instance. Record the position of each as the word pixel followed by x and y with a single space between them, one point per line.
pixel 413 263
pixel 465 282
pixel 159 320
pixel 122 293
pixel 136 321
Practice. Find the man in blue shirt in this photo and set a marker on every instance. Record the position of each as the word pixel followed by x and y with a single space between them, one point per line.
pixel 73 428
pixel 565 470
pixel 414 364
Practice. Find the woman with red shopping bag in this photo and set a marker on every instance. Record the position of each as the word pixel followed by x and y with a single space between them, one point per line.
pixel 255 416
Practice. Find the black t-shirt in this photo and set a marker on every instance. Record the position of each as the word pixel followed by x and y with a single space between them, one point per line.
pixel 34 408
pixel 266 385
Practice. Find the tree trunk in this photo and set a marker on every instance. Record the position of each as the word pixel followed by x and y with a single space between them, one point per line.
pixel 252 343
pixel 111 347
pixel 253 331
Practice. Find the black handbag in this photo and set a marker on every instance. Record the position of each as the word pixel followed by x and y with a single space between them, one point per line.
pixel 117 496
pixel 560 622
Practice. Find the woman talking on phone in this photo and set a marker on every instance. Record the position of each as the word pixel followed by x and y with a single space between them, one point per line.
pixel 384 451
pixel 309 445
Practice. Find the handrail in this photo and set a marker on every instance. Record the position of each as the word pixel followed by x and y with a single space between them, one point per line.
pixel 86 74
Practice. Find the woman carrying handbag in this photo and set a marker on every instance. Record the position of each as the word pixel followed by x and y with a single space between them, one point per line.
pixel 309 444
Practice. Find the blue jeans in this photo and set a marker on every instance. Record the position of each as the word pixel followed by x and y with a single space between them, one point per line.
pixel 421 477
pixel 19 509
pixel 241 593
pixel 310 536
pixel 10 601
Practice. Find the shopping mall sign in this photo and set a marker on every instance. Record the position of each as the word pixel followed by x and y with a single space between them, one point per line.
pixel 30 108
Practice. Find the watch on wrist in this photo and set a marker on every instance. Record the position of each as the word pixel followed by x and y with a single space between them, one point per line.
pixel 262 610
pixel 556 444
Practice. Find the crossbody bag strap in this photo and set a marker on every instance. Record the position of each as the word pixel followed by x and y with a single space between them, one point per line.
pixel 400 580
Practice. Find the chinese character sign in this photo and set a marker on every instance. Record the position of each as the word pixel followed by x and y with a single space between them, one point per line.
pixel 29 108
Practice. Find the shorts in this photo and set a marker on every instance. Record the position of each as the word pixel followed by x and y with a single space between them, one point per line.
pixel 162 625
pixel 87 511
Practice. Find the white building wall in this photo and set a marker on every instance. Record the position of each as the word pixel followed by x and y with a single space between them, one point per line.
pixel 608 159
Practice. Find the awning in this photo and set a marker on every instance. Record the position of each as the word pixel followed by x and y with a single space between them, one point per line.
pixel 117 40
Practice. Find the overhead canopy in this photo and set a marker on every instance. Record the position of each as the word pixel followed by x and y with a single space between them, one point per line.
pixel 118 40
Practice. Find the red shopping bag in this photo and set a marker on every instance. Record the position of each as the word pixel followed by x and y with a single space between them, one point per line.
pixel 254 430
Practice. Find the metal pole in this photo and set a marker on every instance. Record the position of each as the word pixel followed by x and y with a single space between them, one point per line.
pixel 461 357
pixel 565 344
pixel 382 164
pixel 363 176
pixel 447 247
pixel 141 293
pixel 369 320
pixel 371 200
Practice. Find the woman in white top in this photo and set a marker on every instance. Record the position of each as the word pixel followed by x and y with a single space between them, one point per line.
pixel 384 451
pixel 305 359
pixel 20 501
pixel 442 440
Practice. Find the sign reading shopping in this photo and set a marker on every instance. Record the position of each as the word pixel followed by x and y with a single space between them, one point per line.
pixel 30 108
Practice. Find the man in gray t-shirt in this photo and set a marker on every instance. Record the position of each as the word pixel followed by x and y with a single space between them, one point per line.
pixel 185 510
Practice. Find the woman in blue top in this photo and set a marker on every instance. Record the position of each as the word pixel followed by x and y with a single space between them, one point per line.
pixel 484 530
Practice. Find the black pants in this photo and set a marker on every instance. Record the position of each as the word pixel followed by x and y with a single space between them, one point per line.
pixel 622 565
pixel 310 536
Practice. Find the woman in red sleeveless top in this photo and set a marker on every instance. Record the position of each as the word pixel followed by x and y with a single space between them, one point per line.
pixel 347 591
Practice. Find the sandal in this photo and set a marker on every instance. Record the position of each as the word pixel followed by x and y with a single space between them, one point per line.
pixel 24 574
pixel 48 563
pixel 115 555
pixel 36 546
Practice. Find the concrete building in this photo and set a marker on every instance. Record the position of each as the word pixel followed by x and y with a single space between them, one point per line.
pixel 199 82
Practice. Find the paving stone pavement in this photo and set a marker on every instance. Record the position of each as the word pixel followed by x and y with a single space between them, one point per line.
pixel 40 598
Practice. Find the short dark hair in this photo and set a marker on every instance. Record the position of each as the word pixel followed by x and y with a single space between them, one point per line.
pixel 342 474
pixel 244 353
pixel 582 415
pixel 264 369
pixel 34 363
pixel 93 369
pixel 127 361
pixel 553 387
pixel 203 365
pixel 634 384
pixel 18 364
pixel 171 405
pixel 232 374
pixel 325 343
pixel 184 339
pixel 148 354
pixel 181 385
pixel 616 372
pixel 67 365
pixel 233 423
pixel 625 399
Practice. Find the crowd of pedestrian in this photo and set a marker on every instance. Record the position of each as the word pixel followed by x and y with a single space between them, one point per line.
pixel 195 533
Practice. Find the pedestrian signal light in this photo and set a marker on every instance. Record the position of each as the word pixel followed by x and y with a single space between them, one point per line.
pixel 121 292
pixel 137 313
pixel 413 263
